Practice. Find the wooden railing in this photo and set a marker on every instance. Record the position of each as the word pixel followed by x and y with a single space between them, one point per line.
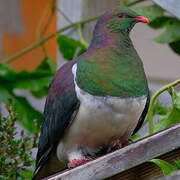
pixel 129 163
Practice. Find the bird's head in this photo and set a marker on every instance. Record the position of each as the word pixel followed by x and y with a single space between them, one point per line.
pixel 121 19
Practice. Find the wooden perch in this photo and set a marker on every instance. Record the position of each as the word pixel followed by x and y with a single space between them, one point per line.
pixel 129 162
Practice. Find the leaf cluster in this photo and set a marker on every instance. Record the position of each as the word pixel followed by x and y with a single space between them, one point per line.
pixel 36 82
pixel 15 150
pixel 159 19
pixel 69 47
pixel 168 116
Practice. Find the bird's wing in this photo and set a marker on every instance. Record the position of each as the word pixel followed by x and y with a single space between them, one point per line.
pixel 61 103
pixel 143 115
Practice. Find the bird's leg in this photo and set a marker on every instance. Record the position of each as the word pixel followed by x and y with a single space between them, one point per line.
pixel 77 162
pixel 77 158
pixel 117 144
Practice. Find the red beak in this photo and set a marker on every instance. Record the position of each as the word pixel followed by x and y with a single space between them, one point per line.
pixel 142 19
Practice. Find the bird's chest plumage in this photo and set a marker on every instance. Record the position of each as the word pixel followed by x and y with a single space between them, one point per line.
pixel 103 119
pixel 100 120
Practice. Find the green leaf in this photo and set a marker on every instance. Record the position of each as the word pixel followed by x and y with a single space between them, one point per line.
pixel 26 114
pixel 176 99
pixel 160 22
pixel 36 81
pixel 159 109
pixel 47 65
pixel 25 80
pixel 171 34
pixel 165 166
pixel 177 162
pixel 33 81
pixel 135 137
pixel 175 47
pixel 172 115
pixel 70 48
pixel 26 174
pixel 40 93
pixel 151 12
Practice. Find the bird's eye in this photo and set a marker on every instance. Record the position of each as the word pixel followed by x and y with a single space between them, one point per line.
pixel 120 15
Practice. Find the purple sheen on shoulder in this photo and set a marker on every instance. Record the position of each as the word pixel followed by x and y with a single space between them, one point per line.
pixel 63 81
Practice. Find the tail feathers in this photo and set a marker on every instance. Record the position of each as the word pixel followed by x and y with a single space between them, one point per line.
pixel 51 166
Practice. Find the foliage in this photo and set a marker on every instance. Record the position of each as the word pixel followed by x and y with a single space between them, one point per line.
pixel 69 47
pixel 15 153
pixel 166 167
pixel 168 116
pixel 35 82
pixel 158 20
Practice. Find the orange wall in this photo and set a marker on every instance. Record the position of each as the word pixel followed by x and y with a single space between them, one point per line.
pixel 31 11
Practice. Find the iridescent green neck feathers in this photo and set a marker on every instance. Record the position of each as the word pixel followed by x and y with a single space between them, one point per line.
pixel 111 65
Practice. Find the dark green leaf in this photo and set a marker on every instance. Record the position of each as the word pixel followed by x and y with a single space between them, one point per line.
pixel 175 46
pixel 165 166
pixel 160 22
pixel 47 65
pixel 70 48
pixel 159 109
pixel 27 115
pixel 151 12
pixel 26 174
pixel 177 162
pixel 35 80
pixel 172 115
pixel 40 93
pixel 171 34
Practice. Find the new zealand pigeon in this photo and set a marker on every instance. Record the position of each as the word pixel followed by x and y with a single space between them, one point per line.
pixel 96 101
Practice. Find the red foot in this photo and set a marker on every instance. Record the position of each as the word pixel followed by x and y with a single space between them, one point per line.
pixel 76 162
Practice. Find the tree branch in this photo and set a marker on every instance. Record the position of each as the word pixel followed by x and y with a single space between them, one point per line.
pixel 43 40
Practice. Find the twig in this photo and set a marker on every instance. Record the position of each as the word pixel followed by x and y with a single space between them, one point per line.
pixel 153 99
pixel 64 15
pixel 43 40
pixel 82 40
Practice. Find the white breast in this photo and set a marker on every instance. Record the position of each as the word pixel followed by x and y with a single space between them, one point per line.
pixel 102 119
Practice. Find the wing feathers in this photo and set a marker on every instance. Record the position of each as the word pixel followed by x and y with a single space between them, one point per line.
pixel 60 106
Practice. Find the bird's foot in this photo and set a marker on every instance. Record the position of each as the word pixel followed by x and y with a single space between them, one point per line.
pixel 77 162
pixel 117 144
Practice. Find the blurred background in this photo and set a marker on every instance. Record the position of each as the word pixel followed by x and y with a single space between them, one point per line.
pixel 33 45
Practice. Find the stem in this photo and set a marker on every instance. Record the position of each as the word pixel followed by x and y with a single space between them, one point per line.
pixel 153 99
pixel 43 40
pixel 64 15
pixel 81 38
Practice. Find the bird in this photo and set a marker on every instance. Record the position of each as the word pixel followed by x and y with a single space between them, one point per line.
pixel 96 101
